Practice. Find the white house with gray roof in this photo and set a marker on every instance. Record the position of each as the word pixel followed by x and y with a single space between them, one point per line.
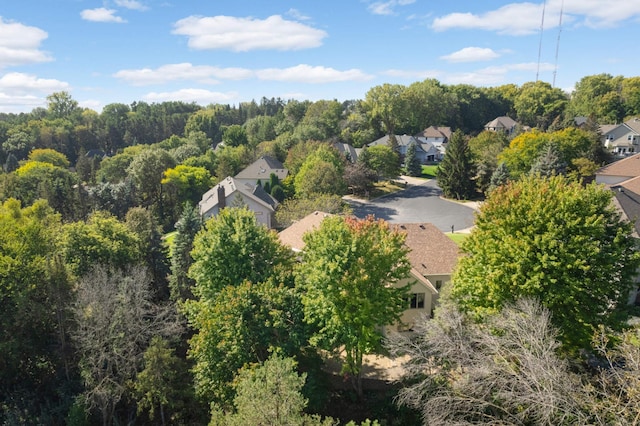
pixel 425 151
pixel 231 192
pixel 622 139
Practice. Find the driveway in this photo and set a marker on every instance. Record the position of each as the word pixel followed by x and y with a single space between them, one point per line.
pixel 418 203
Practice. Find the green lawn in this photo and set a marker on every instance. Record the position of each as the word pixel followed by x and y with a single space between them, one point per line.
pixel 429 171
pixel 457 237
pixel 385 187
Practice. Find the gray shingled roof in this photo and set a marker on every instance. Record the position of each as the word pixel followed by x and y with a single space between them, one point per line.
pixel 262 169
pixel 210 198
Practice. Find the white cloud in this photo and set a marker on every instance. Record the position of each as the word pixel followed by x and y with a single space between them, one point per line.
pixel 244 34
pixel 526 18
pixel 23 92
pixel 413 74
pixel 20 84
pixel 19 44
pixel 91 104
pixel 206 74
pixel 199 96
pixel 599 13
pixel 101 15
pixel 185 71
pixel 387 7
pixel 515 19
pixel 496 74
pixel 297 15
pixel 131 4
pixel 308 74
pixel 471 54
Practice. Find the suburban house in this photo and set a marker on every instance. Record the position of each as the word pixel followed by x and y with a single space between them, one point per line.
pixel 619 171
pixel 432 255
pixel 435 134
pixel 426 152
pixel 261 170
pixel 621 139
pixel 503 124
pixel 348 150
pixel 623 178
pixel 231 192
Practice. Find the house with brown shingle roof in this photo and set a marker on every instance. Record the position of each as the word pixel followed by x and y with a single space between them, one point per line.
pixel 619 171
pixel 292 236
pixel 432 255
pixel 623 178
pixel 435 134
pixel 502 124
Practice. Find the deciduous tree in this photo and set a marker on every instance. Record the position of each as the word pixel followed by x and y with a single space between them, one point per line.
pixel 115 322
pixel 506 371
pixel 554 240
pixel 349 273
pixel 233 248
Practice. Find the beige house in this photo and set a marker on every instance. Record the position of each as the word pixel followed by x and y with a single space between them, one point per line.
pixel 231 192
pixel 432 256
pixel 503 124
pixel 623 178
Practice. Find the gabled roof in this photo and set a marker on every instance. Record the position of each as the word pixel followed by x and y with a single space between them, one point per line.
pixel 435 132
pixel 627 199
pixel 347 150
pixel 633 124
pixel 292 236
pixel 431 251
pixel 629 167
pixel 606 128
pixel 231 185
pixel 503 122
pixel 262 169
pixel 403 140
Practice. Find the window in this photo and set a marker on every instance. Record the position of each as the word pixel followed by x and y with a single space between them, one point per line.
pixel 438 284
pixel 416 301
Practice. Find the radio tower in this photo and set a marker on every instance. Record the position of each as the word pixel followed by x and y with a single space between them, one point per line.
pixel 555 68
pixel 544 7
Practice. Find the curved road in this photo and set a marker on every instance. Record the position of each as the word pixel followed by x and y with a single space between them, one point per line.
pixel 416 204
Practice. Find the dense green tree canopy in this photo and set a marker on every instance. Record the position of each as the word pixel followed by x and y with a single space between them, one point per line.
pixel 242 325
pixel 348 273
pixel 101 240
pixel 554 240
pixel 233 248
pixel 30 297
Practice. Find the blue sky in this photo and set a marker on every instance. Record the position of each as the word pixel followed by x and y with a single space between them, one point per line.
pixel 232 51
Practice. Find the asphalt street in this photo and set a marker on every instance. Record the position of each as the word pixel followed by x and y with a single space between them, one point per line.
pixel 417 204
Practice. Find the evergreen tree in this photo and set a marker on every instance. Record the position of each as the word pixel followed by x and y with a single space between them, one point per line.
pixel 499 177
pixel 412 162
pixel 11 164
pixel 455 174
pixel 549 162
pixel 187 227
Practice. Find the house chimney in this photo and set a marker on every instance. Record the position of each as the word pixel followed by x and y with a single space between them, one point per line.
pixel 222 200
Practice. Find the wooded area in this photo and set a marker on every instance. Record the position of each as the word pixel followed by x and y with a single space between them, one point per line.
pixel 120 306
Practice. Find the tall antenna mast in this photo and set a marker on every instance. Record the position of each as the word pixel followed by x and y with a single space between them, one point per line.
pixel 555 68
pixel 544 7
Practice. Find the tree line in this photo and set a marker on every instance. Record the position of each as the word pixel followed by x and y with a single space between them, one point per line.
pixel 110 319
